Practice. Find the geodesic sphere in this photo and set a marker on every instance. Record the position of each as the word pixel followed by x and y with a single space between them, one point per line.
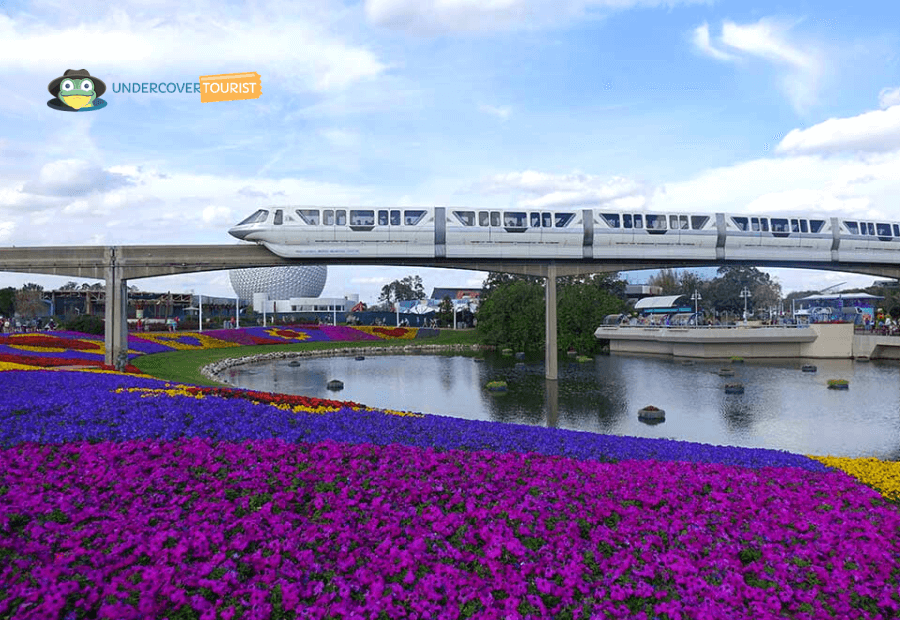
pixel 279 282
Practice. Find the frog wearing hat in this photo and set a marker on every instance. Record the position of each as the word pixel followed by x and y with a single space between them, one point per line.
pixel 76 91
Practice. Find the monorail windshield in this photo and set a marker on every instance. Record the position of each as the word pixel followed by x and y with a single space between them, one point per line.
pixel 259 216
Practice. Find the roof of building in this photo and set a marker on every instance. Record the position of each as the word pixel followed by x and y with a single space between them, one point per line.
pixel 838 296
pixel 455 293
pixel 665 301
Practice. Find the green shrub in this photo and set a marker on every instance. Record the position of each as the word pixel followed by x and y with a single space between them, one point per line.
pixel 85 324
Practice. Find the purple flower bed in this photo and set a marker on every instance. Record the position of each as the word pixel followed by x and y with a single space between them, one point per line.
pixel 268 529
pixel 71 406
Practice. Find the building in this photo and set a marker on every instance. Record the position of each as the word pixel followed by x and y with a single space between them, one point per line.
pixel 850 307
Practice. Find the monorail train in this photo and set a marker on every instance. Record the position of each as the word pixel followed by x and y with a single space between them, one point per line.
pixel 459 232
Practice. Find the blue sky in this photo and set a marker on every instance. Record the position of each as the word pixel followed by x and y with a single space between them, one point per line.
pixel 646 104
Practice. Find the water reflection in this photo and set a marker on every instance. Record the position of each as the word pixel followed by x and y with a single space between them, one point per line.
pixel 781 407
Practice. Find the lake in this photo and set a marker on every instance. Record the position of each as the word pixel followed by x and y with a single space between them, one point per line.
pixel 782 407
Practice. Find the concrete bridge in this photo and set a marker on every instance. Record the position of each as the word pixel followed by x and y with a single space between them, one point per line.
pixel 118 264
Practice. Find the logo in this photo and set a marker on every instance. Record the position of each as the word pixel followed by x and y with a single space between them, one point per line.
pixel 230 87
pixel 76 91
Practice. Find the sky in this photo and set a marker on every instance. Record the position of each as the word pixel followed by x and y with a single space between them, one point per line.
pixel 656 105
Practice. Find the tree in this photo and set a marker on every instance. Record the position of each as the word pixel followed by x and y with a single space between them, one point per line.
pixel 28 300
pixel 7 301
pixel 723 293
pixel 667 280
pixel 514 313
pixel 445 311
pixel 581 309
pixel 69 286
pixel 409 288
pixel 497 279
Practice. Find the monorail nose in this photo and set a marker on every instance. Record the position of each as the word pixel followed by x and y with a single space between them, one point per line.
pixel 238 231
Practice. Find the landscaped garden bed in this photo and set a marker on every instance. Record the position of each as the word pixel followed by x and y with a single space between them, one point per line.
pixel 123 496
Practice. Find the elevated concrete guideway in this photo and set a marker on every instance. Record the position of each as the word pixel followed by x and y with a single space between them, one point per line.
pixel 118 264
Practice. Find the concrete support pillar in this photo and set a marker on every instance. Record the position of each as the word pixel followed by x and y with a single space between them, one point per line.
pixel 116 331
pixel 550 354
pixel 551 389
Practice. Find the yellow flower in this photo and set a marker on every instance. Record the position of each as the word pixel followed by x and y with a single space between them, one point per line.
pixel 172 339
pixel 13 366
pixel 883 476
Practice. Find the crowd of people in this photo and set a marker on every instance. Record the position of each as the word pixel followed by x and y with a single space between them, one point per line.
pixel 16 325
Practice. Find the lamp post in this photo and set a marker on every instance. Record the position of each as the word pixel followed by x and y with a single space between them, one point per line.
pixel 745 293
pixel 696 298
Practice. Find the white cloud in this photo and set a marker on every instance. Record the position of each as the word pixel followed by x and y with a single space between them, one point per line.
pixel 802 66
pixel 501 112
pixel 566 190
pixel 6 230
pixel 701 41
pixel 875 131
pixel 74 177
pixel 214 216
pixel 889 97
pixel 153 208
pixel 795 184
pixel 435 16
pixel 295 51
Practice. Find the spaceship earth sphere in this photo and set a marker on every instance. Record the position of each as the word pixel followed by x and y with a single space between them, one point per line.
pixel 279 282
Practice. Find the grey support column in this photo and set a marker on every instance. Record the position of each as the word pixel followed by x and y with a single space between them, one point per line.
pixel 121 346
pixel 116 328
pixel 550 361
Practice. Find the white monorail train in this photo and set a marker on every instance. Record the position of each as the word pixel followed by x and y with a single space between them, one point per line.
pixel 458 232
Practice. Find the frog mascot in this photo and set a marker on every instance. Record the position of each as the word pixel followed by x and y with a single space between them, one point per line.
pixel 76 91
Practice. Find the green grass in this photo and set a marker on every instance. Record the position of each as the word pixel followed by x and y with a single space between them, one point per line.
pixel 184 366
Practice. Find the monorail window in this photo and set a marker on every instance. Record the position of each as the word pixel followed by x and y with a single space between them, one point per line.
pixel 563 219
pixel 883 230
pixel 259 216
pixel 466 218
pixel 383 218
pixel 656 222
pixel 309 216
pixel 626 220
pixel 535 220
pixel 779 225
pixel 484 218
pixel 740 222
pixel 814 225
pixel 328 217
pixel 759 224
pixel 515 219
pixel 340 217
pixel 612 219
pixel 395 217
pixel 495 218
pixel 795 226
pixel 683 222
pixel 852 227
pixel 699 221
pixel 871 228
pixel 547 219
pixel 638 221
pixel 362 218
pixel 896 230
pixel 414 217
pixel 803 227
pixel 279 217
